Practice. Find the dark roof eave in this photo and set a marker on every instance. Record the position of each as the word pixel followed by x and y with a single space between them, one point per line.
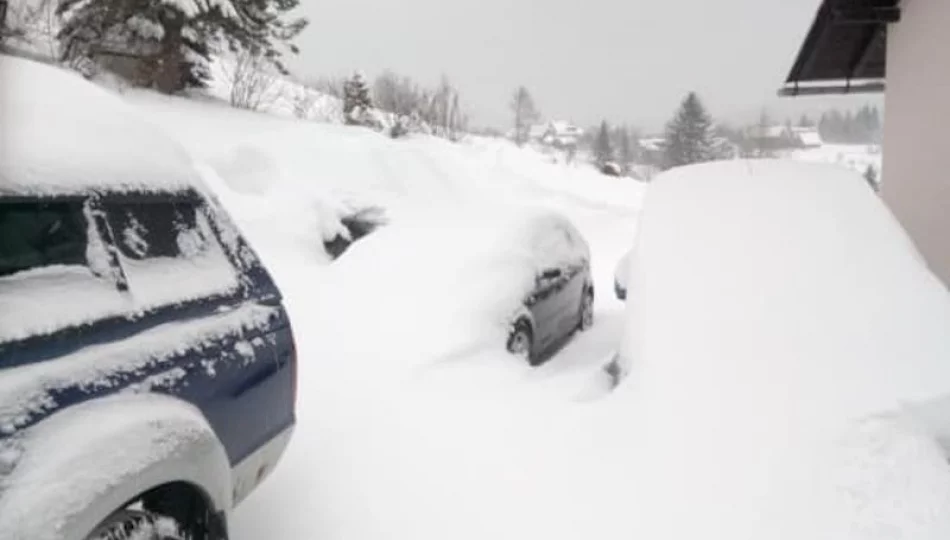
pixel 832 88
pixel 846 41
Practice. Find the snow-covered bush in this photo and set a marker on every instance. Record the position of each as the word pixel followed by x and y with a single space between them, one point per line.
pixel 356 100
pixel 252 85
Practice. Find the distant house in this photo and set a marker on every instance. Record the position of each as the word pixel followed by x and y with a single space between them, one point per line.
pixel 807 137
pixel 559 134
pixel 858 46
pixel 783 137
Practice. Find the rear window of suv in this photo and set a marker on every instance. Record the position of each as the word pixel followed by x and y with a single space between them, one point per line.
pixel 147 230
pixel 38 234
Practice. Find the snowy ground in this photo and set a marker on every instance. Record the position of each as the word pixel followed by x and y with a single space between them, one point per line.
pixel 413 423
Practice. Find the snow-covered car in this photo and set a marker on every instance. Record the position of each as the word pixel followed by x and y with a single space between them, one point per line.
pixel 620 276
pixel 785 364
pixel 562 300
pixel 147 366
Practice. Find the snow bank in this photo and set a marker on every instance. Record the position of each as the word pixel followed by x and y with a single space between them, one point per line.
pixel 412 417
pixel 857 157
pixel 62 134
pixel 774 310
pixel 288 182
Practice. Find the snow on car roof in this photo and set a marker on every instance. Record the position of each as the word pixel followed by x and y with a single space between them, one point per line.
pixel 782 336
pixel 60 134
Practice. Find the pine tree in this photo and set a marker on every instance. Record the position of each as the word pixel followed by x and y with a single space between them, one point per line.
pixel 603 150
pixel 689 135
pixel 356 100
pixel 526 114
pixel 625 150
pixel 171 41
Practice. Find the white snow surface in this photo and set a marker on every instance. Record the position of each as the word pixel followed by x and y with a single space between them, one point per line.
pixel 780 330
pixel 103 144
pixel 415 424
pixel 412 417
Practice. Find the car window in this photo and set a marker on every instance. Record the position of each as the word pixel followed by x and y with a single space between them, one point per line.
pixel 168 251
pixel 147 230
pixel 38 234
pixel 47 253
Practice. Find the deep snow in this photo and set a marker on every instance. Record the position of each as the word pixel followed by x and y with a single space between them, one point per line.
pixel 413 421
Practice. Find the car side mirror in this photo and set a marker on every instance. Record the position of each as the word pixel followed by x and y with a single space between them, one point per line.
pixel 551 273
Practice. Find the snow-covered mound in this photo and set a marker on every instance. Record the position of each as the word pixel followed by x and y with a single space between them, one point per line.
pixel 288 181
pixel 779 322
pixel 98 140
pixel 857 157
pixel 439 286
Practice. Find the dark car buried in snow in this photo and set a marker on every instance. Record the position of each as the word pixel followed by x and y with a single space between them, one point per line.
pixel 562 301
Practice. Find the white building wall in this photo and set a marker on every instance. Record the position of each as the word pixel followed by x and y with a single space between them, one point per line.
pixel 916 178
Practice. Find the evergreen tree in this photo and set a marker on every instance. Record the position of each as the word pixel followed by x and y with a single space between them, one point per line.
pixel 171 41
pixel 356 100
pixel 526 114
pixel 625 151
pixel 603 150
pixel 805 121
pixel 689 135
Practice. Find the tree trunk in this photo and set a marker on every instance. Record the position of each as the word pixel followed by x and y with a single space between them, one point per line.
pixel 168 76
pixel 3 20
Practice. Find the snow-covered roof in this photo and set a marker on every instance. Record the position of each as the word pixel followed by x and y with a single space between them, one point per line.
pixel 562 128
pixel 62 134
pixel 653 143
pixel 809 137
pixel 801 377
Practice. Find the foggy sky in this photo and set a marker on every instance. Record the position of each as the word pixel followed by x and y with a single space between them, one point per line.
pixel 583 60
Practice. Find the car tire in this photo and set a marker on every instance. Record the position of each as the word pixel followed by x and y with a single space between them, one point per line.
pixel 136 524
pixel 521 341
pixel 586 312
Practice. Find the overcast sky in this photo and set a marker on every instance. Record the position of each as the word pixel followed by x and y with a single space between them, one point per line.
pixel 627 61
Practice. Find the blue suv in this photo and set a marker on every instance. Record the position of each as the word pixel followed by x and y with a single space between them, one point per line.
pixel 147 365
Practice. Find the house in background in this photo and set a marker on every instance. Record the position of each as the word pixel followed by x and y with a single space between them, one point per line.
pixel 903 50
pixel 782 137
pixel 560 135
pixel 807 137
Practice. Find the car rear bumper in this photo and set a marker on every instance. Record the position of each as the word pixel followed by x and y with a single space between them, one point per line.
pixel 252 470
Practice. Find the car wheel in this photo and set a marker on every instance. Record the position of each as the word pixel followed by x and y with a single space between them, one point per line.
pixel 521 341
pixel 587 311
pixel 136 524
